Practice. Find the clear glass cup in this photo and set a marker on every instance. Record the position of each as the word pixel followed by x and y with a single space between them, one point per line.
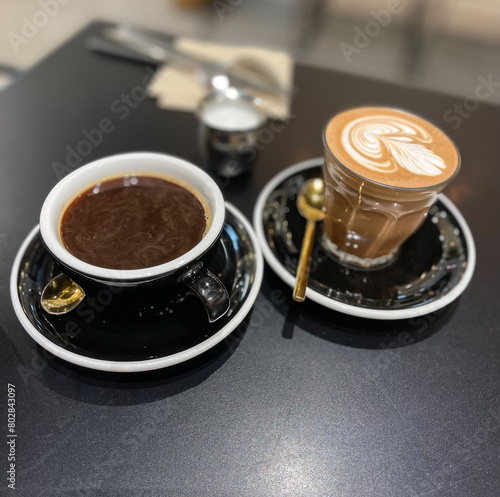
pixel 366 221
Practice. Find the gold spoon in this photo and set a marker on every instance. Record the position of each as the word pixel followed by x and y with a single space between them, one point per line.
pixel 61 295
pixel 310 205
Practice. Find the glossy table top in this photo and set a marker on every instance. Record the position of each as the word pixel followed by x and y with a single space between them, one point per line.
pixel 300 400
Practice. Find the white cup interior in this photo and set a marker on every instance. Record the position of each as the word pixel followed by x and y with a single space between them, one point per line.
pixel 130 163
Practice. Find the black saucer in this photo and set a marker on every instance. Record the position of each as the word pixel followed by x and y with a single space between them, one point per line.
pixel 116 334
pixel 431 269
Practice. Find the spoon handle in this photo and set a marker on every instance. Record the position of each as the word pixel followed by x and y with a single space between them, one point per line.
pixel 299 292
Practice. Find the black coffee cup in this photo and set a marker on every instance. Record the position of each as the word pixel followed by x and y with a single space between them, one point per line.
pixel 185 275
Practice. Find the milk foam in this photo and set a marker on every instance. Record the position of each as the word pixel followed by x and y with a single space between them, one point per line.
pixel 391 147
pixel 384 143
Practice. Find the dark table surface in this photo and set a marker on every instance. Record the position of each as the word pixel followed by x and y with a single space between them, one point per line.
pixel 301 401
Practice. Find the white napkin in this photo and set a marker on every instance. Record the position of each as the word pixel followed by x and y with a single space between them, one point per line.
pixel 178 86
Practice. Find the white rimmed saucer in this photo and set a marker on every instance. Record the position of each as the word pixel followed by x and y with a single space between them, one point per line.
pixel 33 265
pixel 432 268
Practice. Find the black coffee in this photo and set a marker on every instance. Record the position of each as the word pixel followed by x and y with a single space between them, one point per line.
pixel 133 222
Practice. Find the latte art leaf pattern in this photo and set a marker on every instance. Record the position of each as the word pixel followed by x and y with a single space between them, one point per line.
pixel 384 143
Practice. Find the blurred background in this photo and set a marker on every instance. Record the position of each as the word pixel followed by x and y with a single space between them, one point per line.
pixel 442 45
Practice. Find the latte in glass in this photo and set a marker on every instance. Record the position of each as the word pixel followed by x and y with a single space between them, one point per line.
pixel 383 170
